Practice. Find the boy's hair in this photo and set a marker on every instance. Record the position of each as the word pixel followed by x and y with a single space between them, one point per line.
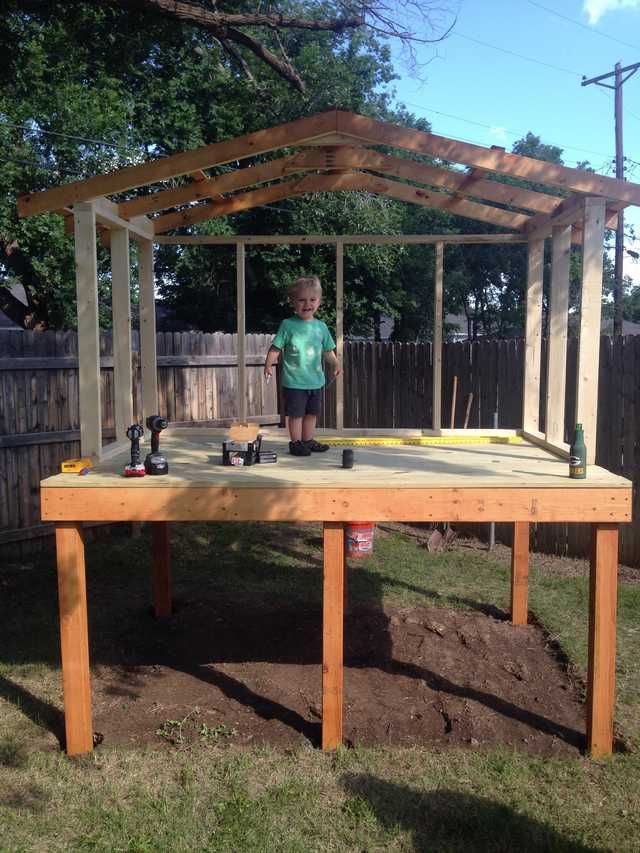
pixel 310 282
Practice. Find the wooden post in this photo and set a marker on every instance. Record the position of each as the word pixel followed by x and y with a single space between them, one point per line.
pixel 74 638
pixel 557 335
pixel 533 337
pixel 121 307
pixel 520 573
pixel 340 332
pixel 88 330
pixel 332 634
pixel 161 555
pixel 438 320
pixel 601 679
pixel 241 406
pixel 589 336
pixel 148 359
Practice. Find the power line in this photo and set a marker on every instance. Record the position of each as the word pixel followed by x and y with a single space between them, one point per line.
pixel 518 55
pixel 64 135
pixel 583 26
pixel 510 132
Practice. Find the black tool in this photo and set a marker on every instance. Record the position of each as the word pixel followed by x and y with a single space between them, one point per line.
pixel 135 468
pixel 347 458
pixel 155 462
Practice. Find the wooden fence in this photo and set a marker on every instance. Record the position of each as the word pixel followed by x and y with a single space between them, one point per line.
pixel 386 385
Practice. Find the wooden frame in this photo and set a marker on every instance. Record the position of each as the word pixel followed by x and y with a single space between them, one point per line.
pixel 334 158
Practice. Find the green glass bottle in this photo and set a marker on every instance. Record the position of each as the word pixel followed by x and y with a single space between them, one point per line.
pixel 578 455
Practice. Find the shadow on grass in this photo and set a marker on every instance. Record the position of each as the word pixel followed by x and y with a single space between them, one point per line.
pixel 446 820
pixel 42 713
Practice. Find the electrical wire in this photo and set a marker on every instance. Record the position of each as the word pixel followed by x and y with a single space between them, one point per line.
pixel 583 26
pixel 518 55
pixel 64 135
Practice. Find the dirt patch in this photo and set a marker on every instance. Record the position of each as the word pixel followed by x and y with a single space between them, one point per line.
pixel 229 673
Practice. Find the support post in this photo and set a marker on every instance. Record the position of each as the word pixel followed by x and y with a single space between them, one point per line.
pixel 340 332
pixel 520 573
pixel 161 555
pixel 438 318
pixel 88 330
pixel 332 634
pixel 590 313
pixel 121 308
pixel 533 337
pixel 557 335
pixel 601 679
pixel 74 638
pixel 148 358
pixel 241 406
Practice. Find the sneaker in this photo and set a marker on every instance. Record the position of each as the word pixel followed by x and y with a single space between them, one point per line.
pixel 299 448
pixel 315 446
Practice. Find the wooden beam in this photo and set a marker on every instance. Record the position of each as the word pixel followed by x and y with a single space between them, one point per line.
pixel 354 239
pixel 241 398
pixel 601 676
pixel 533 337
pixel 340 333
pixel 493 160
pixel 362 182
pixel 297 503
pixel 249 145
pixel 88 330
pixel 148 356
pixel 438 322
pixel 332 634
pixel 520 573
pixel 589 329
pixel 437 176
pixel 121 309
pixel 107 215
pixel 74 638
pixel 235 180
pixel 233 204
pixel 557 334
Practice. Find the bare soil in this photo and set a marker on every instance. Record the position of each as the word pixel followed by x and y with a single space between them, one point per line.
pixel 226 672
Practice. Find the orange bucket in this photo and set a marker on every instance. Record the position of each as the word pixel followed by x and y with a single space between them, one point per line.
pixel 359 538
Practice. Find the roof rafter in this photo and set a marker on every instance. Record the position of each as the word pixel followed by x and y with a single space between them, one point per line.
pixel 493 160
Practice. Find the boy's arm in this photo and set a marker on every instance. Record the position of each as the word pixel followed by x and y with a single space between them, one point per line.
pixel 272 357
pixel 331 359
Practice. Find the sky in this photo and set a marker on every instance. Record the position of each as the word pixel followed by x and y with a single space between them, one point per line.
pixel 513 66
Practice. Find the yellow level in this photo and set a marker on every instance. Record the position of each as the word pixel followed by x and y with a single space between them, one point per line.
pixel 423 441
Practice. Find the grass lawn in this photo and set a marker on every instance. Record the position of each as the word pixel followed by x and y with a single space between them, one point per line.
pixel 214 796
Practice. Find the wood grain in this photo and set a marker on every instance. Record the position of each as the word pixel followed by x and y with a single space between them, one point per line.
pixel 332 634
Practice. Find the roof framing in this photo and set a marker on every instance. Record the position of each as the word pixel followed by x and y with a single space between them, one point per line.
pixel 333 158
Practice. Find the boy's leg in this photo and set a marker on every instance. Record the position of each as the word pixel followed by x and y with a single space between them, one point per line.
pixel 308 427
pixel 295 428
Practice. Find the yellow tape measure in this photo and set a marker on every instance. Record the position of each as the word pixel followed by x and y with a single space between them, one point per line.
pixel 422 441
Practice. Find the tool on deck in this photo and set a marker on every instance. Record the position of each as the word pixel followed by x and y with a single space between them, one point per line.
pixel 244 446
pixel 135 468
pixel 155 462
pixel 75 466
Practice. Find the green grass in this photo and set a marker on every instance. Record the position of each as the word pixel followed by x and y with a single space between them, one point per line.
pixel 212 796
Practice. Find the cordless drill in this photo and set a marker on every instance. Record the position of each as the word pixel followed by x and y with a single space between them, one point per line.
pixel 135 468
pixel 155 462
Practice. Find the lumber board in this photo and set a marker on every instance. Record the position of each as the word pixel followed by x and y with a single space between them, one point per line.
pixel 557 335
pixel 216 154
pixel 332 634
pixel 533 336
pixel 438 322
pixel 353 239
pixel 520 573
pixel 121 310
pixel 148 356
pixel 340 334
pixel 491 160
pixel 241 402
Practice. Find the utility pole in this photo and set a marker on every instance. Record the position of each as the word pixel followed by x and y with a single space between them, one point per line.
pixel 617 269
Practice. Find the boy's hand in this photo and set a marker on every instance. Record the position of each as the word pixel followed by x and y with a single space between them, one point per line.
pixel 337 371
pixel 268 371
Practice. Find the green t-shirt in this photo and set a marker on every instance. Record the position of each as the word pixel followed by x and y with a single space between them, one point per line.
pixel 302 343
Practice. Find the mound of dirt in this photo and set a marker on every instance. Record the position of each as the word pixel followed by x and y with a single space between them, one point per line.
pixel 225 673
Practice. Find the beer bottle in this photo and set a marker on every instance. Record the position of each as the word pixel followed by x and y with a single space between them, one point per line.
pixel 578 455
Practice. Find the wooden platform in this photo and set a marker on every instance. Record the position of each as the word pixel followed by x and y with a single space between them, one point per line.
pixel 519 483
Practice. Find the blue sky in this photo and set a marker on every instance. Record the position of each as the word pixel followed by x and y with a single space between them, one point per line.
pixel 474 87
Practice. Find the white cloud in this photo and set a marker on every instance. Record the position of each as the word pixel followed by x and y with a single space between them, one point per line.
pixel 595 9
pixel 499 133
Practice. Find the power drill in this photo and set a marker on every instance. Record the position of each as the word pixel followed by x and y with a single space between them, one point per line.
pixel 155 462
pixel 135 468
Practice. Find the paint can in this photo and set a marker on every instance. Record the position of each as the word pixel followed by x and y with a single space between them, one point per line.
pixel 359 538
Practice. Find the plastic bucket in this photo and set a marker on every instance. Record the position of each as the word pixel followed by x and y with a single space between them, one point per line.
pixel 359 538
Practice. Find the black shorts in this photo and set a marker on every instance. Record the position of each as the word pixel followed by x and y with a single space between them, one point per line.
pixel 298 402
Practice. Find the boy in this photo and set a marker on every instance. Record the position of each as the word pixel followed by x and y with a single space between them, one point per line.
pixel 303 342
